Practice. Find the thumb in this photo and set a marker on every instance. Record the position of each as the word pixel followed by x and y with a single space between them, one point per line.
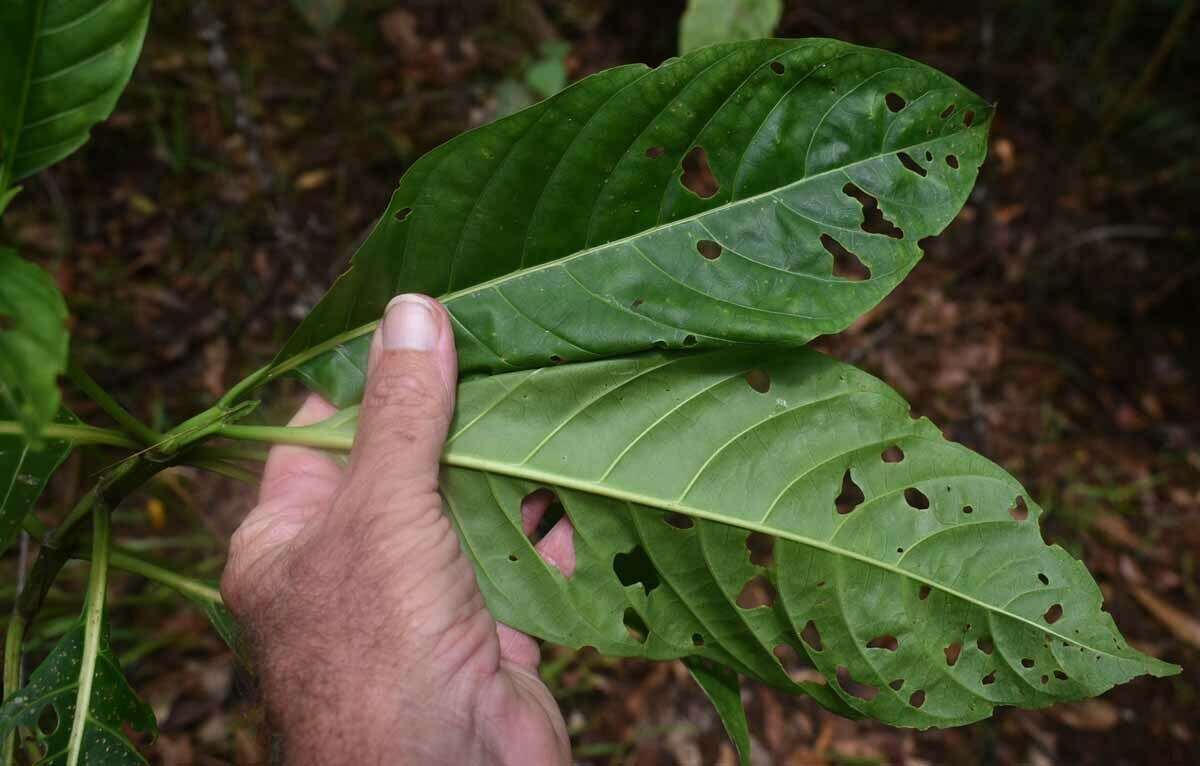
pixel 408 400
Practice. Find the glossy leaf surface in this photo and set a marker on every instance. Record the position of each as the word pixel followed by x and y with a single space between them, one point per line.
pixel 770 510
pixel 706 22
pixel 33 342
pixel 24 471
pixel 114 705
pixel 63 64
pixel 587 226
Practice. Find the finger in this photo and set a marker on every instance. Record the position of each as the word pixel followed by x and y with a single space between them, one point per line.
pixel 518 648
pixel 301 472
pixel 533 507
pixel 408 401
pixel 558 547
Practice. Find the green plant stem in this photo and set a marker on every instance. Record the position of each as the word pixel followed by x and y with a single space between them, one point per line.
pixel 247 384
pixel 304 436
pixel 56 545
pixel 132 426
pixel 129 561
pixel 271 372
pixel 92 628
pixel 74 434
pixel 12 676
pixel 108 493
pixel 225 468
pixel 34 526
pixel 198 428
pixel 1133 94
pixel 230 452
pixel 188 586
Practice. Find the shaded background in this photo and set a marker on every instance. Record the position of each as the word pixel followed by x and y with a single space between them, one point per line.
pixel 1052 327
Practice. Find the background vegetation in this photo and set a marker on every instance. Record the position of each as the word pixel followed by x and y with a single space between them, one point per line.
pixel 1052 327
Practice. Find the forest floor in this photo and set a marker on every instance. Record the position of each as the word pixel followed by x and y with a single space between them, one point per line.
pixel 1052 327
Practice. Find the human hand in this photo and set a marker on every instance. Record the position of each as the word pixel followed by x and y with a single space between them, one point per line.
pixel 372 641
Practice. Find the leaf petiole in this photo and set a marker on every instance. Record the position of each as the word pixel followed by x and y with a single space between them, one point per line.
pixel 134 564
pixel 301 436
pixel 92 628
pixel 131 425
pixel 12 675
pixel 74 434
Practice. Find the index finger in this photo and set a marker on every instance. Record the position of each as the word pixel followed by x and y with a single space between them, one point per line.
pixel 301 471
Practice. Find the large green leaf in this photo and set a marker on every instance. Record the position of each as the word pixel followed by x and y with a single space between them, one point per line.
pixel 24 471
pixel 113 705
pixel 33 342
pixel 908 570
pixel 63 64
pixel 566 232
pixel 706 22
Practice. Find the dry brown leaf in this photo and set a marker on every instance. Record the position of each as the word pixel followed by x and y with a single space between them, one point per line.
pixel 1182 625
pixel 399 28
pixel 1002 150
pixel 313 179
pixel 1089 715
pixel 1006 214
pixel 216 358
pixel 774 727
pixel 1117 531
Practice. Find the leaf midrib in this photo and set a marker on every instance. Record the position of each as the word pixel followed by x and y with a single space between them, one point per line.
pixel 467 291
pixel 551 479
pixel 321 348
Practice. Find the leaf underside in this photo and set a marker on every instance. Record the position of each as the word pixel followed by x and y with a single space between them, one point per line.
pixel 33 342
pixel 576 229
pixel 782 514
pixel 720 685
pixel 63 64
pixel 114 705
pixel 227 628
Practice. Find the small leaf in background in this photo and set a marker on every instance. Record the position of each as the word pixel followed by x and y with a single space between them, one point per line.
pixel 543 78
pixel 33 342
pixel 720 685
pixel 511 97
pixel 321 15
pixel 24 472
pixel 114 705
pixel 706 22
pixel 82 54
pixel 548 75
